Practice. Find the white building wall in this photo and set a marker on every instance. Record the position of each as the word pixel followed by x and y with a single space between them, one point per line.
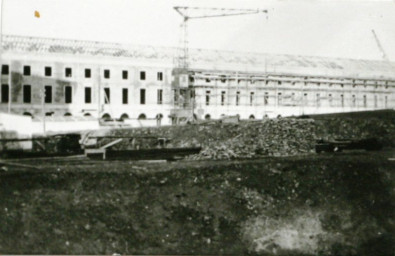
pixel 97 82
pixel 379 93
pixel 287 96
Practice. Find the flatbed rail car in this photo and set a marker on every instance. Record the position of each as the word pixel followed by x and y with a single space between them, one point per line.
pixel 133 148
pixel 339 145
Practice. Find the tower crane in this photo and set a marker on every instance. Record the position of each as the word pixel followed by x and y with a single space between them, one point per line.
pixel 183 94
pixel 189 13
pixel 385 57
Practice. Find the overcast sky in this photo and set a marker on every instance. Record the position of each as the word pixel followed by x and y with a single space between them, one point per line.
pixel 300 27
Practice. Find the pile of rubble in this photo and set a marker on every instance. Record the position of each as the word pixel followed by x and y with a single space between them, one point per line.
pixel 251 139
pixel 277 137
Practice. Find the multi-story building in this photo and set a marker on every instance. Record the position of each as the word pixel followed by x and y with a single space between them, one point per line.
pixel 55 77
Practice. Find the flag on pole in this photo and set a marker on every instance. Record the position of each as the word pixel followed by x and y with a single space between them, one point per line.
pixel 36 14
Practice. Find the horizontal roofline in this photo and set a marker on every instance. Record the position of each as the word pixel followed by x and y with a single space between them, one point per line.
pixel 6 37
pixel 221 59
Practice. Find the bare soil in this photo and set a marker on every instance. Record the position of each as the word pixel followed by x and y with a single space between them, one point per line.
pixel 329 204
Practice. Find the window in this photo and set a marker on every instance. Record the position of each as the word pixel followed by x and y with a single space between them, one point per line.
pixel 107 73
pixel 68 72
pixel 106 95
pixel 88 95
pixel 48 94
pixel 26 71
pixel 124 74
pixel 280 98
pixel 305 99
pixel 223 79
pixel 330 99
pixel 160 96
pixel 27 94
pixel 68 94
pixel 125 96
pixel 251 98
pixel 5 90
pixel 279 82
pixel 266 98
pixel 353 100
pixel 87 73
pixel 365 102
pixel 208 80
pixel 142 96
pixel 237 98
pixel 142 75
pixel 318 100
pixel 342 100
pixel 160 76
pixel 5 69
pixel 207 98
pixel 175 96
pixel 223 93
pixel 48 71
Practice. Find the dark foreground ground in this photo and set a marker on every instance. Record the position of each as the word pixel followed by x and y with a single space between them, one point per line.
pixel 330 204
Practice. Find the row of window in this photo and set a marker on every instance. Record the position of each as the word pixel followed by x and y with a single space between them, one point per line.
pixel 68 96
pixel 207 80
pixel 88 73
pixel 280 98
pixel 125 96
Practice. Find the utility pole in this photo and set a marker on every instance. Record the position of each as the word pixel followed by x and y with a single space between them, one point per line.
pixel 42 90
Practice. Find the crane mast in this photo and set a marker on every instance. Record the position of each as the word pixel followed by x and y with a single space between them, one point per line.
pixel 183 92
pixel 384 55
pixel 188 13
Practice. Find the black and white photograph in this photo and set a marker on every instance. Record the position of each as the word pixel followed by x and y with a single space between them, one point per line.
pixel 197 127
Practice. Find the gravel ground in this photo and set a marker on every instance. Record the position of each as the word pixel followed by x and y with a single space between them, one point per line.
pixel 329 204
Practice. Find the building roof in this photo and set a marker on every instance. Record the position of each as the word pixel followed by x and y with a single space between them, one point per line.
pixel 208 59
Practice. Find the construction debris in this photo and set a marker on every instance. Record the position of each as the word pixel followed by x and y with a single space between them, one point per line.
pixel 277 137
pixel 226 140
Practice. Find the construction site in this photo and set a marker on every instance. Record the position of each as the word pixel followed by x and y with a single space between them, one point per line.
pixel 112 148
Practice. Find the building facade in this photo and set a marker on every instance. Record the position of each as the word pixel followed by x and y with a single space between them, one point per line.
pixel 53 77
